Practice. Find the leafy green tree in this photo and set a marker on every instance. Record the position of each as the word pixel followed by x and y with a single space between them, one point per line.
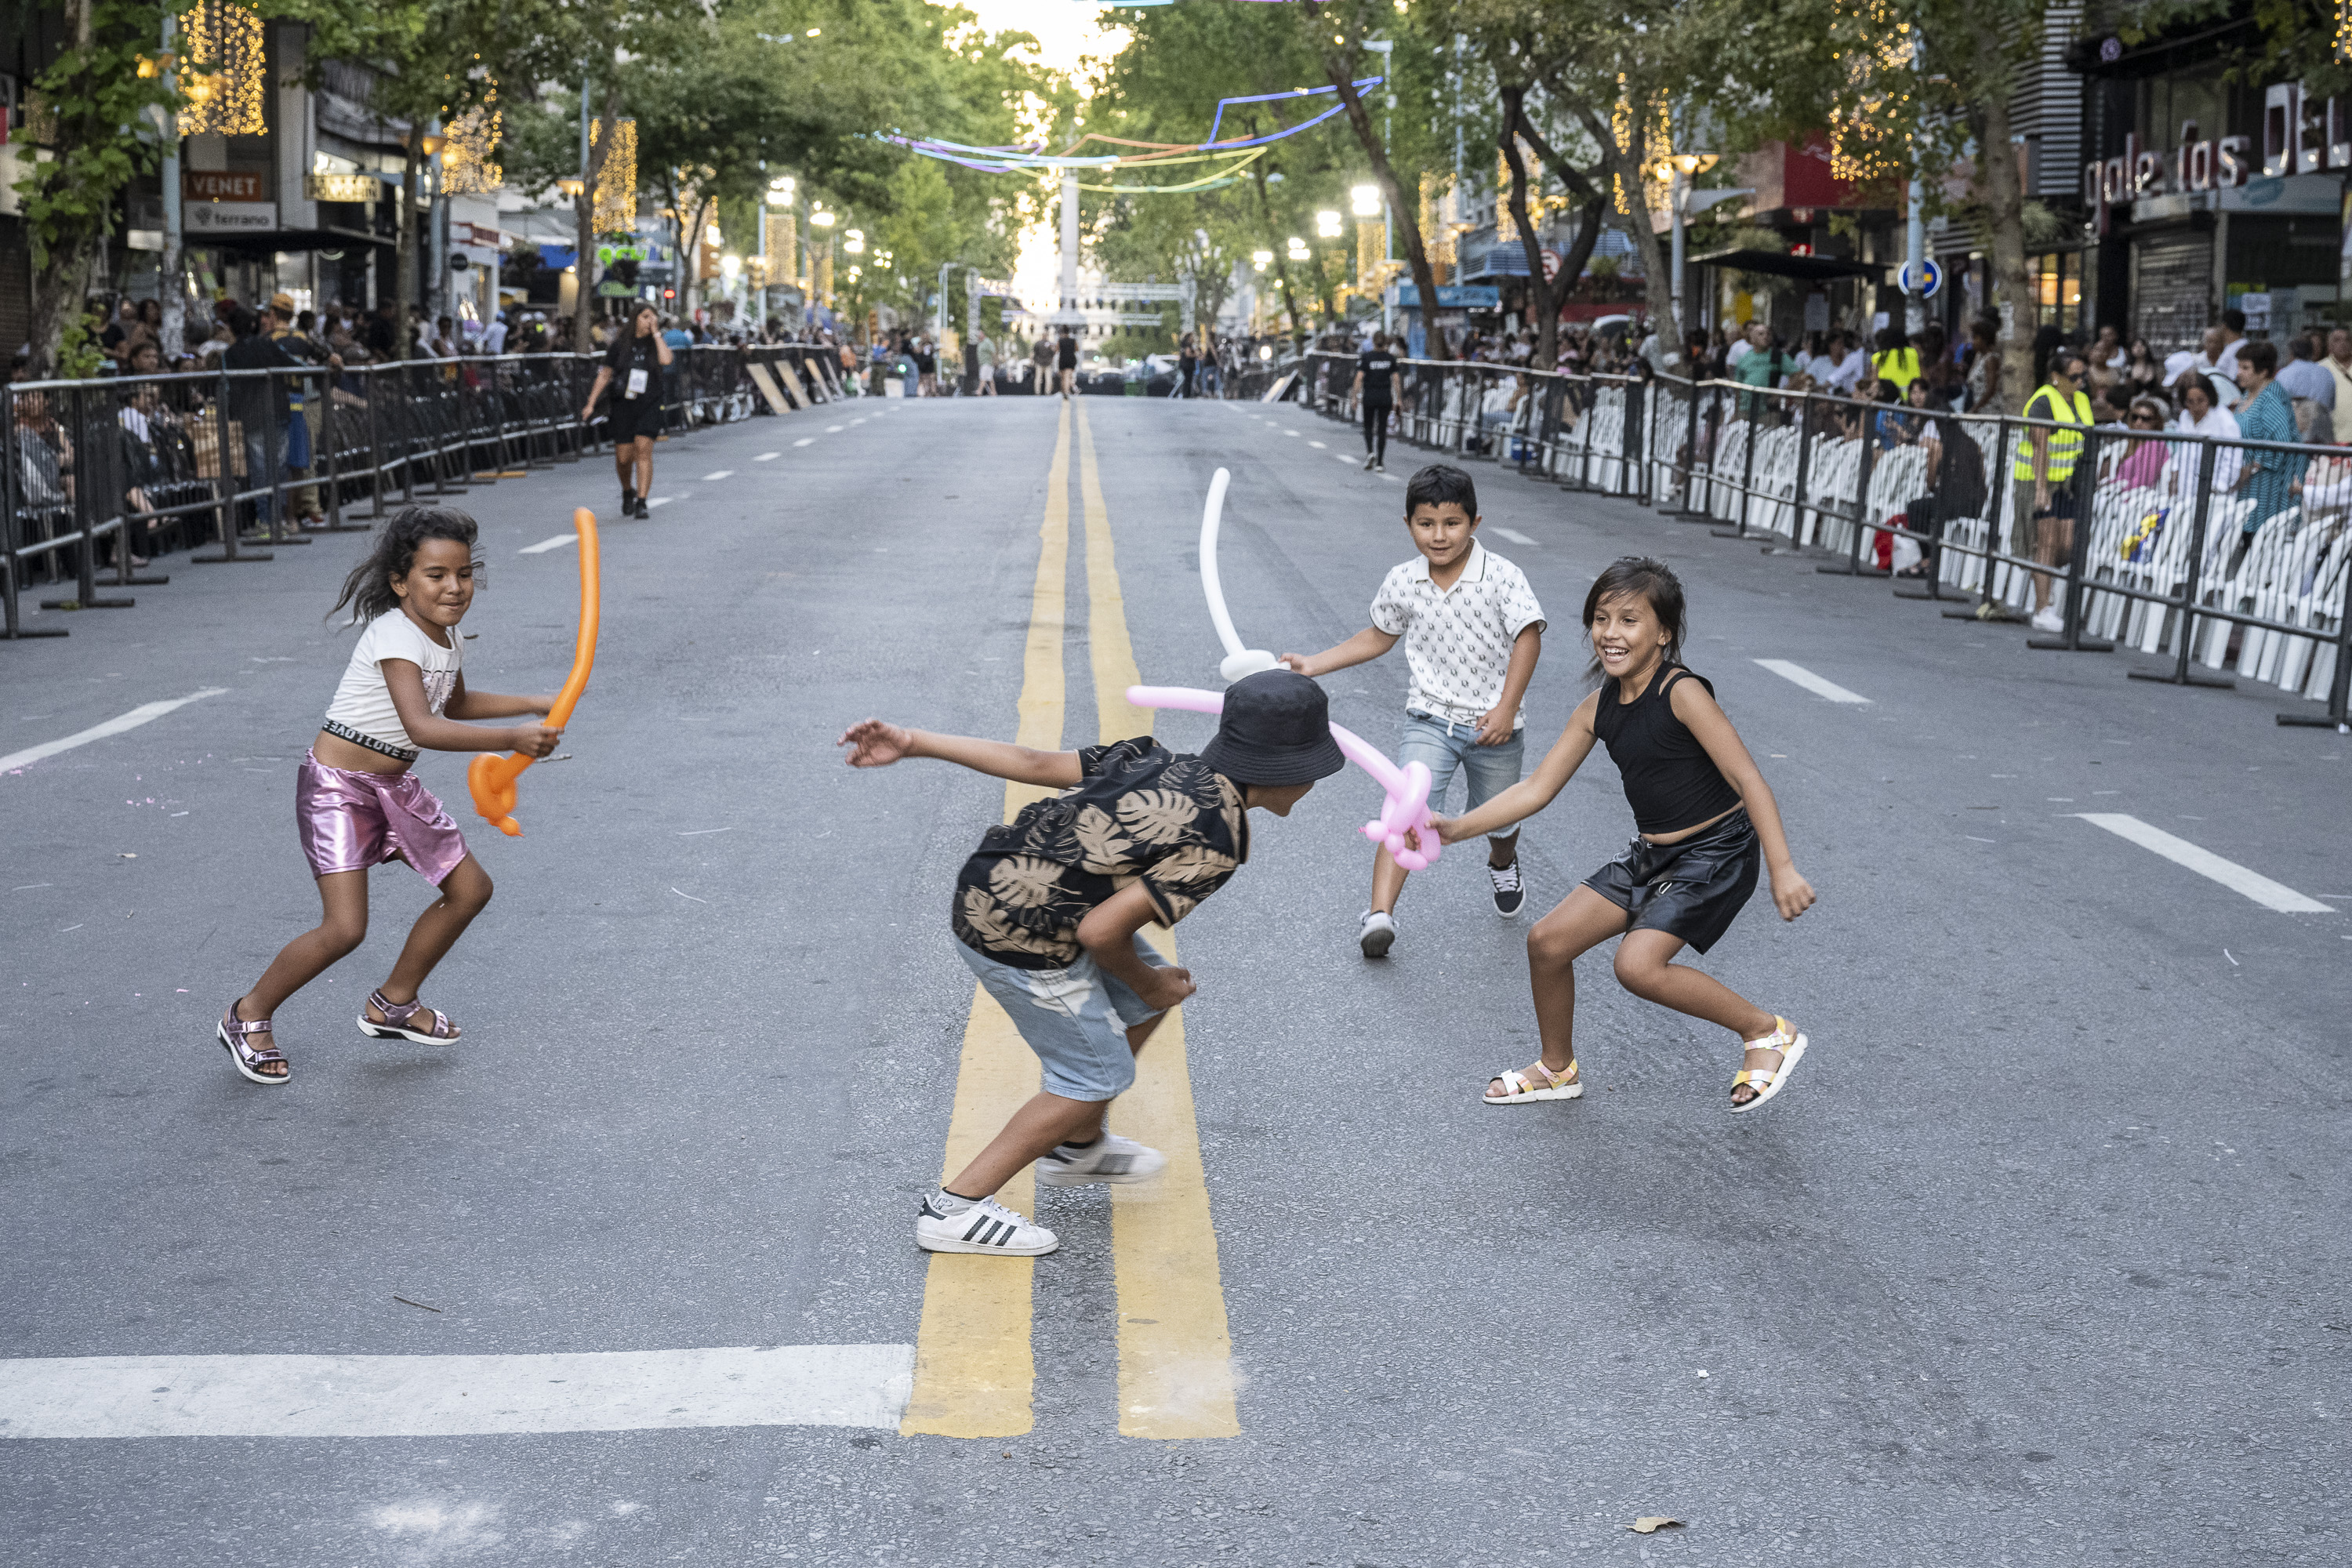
pixel 92 110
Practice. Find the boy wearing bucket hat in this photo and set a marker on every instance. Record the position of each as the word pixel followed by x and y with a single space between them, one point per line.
pixel 1049 913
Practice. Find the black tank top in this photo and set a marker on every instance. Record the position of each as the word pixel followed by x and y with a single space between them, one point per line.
pixel 1670 781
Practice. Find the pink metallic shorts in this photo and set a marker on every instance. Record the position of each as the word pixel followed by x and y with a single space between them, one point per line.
pixel 351 820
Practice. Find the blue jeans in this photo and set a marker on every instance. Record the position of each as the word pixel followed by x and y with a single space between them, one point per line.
pixel 1443 748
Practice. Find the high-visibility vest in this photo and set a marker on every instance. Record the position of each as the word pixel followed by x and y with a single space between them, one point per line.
pixel 1900 367
pixel 2065 446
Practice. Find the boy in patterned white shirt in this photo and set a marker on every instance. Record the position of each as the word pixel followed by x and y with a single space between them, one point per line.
pixel 1472 633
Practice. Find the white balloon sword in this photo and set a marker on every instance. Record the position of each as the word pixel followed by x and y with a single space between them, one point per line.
pixel 1239 661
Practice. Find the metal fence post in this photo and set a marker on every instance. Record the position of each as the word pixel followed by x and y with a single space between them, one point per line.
pixel 11 561
pixel 2192 593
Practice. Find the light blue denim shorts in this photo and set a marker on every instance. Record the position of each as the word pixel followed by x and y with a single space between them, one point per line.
pixel 1443 748
pixel 1076 1019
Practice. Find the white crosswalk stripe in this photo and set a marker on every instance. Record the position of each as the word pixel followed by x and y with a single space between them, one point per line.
pixel 1817 685
pixel 452 1395
pixel 544 545
pixel 142 714
pixel 2205 863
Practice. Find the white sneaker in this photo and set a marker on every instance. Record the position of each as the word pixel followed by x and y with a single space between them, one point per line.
pixel 1379 933
pixel 1109 1159
pixel 986 1226
pixel 2052 619
pixel 1368 462
pixel 1510 889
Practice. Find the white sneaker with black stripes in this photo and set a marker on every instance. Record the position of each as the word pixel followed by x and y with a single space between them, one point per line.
pixel 986 1226
pixel 1110 1158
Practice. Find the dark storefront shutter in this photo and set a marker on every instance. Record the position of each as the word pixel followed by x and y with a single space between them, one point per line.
pixel 2173 290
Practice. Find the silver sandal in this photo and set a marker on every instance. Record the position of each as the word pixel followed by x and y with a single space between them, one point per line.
pixel 232 1034
pixel 398 1018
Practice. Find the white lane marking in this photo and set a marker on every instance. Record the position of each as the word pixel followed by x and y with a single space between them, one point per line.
pixel 1291 432
pixel 767 457
pixel 453 1395
pixel 660 501
pixel 2205 863
pixel 544 545
pixel 837 429
pixel 861 420
pixel 1342 457
pixel 1318 446
pixel 1516 537
pixel 806 439
pixel 721 474
pixel 1810 682
pixel 116 726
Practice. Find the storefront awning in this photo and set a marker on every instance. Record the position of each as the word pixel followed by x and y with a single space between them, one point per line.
pixel 1812 268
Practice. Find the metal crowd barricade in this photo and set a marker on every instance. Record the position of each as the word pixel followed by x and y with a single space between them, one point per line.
pixel 94 473
pixel 1585 431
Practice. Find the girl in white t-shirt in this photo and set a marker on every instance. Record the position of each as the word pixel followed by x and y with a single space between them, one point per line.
pixel 356 804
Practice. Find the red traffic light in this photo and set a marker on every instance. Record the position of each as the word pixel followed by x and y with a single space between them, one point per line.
pixel 669 293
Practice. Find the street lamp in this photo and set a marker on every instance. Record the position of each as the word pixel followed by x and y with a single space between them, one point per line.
pixel 853 240
pixel 821 218
pixel 779 191
pixel 1298 251
pixel 1261 259
pixel 1365 201
pixel 1327 224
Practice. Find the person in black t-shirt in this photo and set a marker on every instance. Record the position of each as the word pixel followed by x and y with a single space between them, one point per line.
pixel 1066 358
pixel 632 366
pixel 1188 366
pixel 1376 388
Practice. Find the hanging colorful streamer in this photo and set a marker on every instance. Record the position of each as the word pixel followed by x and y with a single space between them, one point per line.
pixel 1032 155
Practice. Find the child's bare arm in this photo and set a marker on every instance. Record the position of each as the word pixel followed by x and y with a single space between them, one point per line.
pixel 1535 791
pixel 465 704
pixel 1792 894
pixel 1365 646
pixel 436 732
pixel 1526 648
pixel 1108 934
pixel 875 744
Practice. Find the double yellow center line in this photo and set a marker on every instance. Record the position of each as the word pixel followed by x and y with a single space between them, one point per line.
pixel 974 1371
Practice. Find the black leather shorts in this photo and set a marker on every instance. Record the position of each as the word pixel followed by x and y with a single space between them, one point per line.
pixel 1691 890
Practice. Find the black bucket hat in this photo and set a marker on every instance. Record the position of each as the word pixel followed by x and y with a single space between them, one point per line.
pixel 1276 730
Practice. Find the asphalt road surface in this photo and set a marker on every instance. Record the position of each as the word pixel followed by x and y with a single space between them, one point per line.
pixel 2041 1258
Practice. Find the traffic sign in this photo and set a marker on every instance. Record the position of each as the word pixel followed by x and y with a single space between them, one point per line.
pixel 1925 283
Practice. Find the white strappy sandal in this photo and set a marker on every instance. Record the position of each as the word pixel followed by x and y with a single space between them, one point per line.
pixel 1520 1088
pixel 1767 1082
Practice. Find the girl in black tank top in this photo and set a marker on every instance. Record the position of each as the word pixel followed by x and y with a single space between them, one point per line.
pixel 1705 818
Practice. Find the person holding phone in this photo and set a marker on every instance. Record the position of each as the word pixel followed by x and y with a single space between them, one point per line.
pixel 633 365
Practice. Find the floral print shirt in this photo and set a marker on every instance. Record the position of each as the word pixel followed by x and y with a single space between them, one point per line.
pixel 1140 813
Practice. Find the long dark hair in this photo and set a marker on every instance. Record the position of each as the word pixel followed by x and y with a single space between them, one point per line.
pixel 1655 581
pixel 367 590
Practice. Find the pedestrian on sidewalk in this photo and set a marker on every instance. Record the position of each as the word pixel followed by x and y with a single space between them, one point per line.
pixel 1049 911
pixel 357 805
pixel 1065 357
pixel 1701 813
pixel 635 364
pixel 1375 390
pixel 1473 631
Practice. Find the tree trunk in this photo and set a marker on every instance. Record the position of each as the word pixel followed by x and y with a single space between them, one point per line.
pixel 1625 163
pixel 1340 68
pixel 403 251
pixel 2005 218
pixel 1547 295
pixel 583 206
pixel 61 280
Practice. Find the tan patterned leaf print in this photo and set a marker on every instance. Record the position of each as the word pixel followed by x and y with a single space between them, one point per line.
pixel 1157 815
pixel 1193 867
pixel 990 925
pixel 1024 881
pixel 1100 846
